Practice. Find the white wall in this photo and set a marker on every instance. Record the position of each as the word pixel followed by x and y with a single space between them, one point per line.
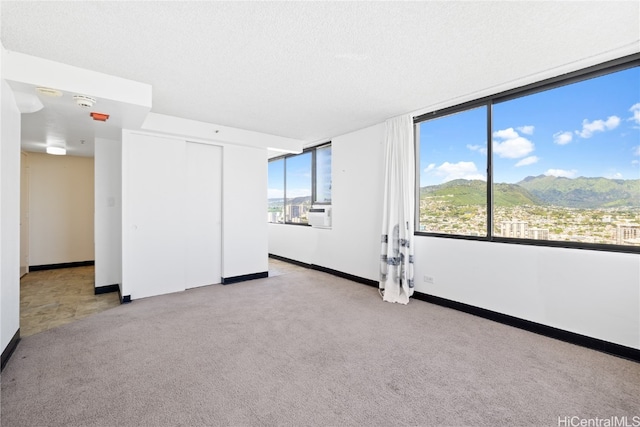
pixel 108 212
pixel 352 245
pixel 244 203
pixel 9 216
pixel 61 204
pixel 592 293
pixel 24 215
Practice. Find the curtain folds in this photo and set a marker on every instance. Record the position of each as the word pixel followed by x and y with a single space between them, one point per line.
pixel 396 260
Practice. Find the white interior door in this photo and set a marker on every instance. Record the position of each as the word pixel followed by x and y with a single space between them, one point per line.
pixel 203 215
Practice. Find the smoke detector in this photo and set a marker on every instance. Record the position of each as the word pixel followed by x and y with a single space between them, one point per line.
pixel 84 101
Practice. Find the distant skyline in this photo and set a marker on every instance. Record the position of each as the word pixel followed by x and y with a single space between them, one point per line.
pixel 590 129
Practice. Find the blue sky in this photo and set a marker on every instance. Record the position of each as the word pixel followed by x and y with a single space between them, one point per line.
pixel 298 177
pixel 590 128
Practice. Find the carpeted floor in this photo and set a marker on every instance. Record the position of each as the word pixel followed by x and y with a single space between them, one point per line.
pixel 303 349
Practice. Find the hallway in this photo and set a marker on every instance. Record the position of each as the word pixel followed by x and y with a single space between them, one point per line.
pixel 51 298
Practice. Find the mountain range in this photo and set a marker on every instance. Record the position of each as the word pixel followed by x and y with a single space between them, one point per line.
pixel 579 192
pixel 295 201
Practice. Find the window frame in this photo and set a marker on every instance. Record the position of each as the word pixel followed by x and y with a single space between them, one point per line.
pixel 284 157
pixel 609 67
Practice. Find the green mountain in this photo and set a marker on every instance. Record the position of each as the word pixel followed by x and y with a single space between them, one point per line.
pixel 584 192
pixel 463 192
pixel 295 201
pixel 541 190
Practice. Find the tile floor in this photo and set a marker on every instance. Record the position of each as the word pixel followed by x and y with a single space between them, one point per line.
pixel 51 298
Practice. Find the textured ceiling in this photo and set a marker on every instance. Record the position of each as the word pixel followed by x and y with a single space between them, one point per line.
pixel 313 70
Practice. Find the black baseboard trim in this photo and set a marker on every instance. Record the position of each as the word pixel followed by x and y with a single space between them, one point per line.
pixel 106 289
pixel 244 277
pixel 331 271
pixel 62 265
pixel 6 354
pixel 290 261
pixel 347 276
pixel 125 299
pixel 538 328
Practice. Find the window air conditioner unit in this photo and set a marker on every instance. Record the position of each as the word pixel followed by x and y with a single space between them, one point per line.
pixel 320 216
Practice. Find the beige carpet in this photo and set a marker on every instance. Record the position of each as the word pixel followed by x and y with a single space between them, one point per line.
pixel 304 349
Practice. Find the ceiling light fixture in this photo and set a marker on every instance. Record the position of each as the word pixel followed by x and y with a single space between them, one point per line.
pixel 84 101
pixel 56 151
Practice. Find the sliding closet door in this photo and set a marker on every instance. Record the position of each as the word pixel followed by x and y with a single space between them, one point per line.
pixel 203 215
pixel 153 206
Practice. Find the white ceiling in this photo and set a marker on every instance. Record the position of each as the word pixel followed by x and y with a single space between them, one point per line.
pixel 314 70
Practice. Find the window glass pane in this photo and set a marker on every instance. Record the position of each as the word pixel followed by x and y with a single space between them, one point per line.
pixel 453 163
pixel 566 162
pixel 323 174
pixel 298 190
pixel 275 194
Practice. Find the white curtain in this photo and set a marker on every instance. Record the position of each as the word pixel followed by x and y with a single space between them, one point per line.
pixel 396 260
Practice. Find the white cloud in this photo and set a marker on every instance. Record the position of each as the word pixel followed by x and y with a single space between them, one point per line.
pixel 461 170
pixel 562 138
pixel 430 167
pixel 478 148
pixel 561 173
pixel 636 150
pixel 635 162
pixel 513 145
pixel 615 175
pixel 589 128
pixel 527 130
pixel 508 133
pixel 528 161
pixel 635 109
pixel 275 193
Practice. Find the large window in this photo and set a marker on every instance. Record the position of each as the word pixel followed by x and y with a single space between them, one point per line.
pixel 323 174
pixel 453 179
pixel 563 163
pixel 296 182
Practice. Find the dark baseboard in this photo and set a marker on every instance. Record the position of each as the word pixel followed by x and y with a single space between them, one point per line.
pixel 106 289
pixel 538 328
pixel 347 276
pixel 290 261
pixel 62 265
pixel 6 354
pixel 244 277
